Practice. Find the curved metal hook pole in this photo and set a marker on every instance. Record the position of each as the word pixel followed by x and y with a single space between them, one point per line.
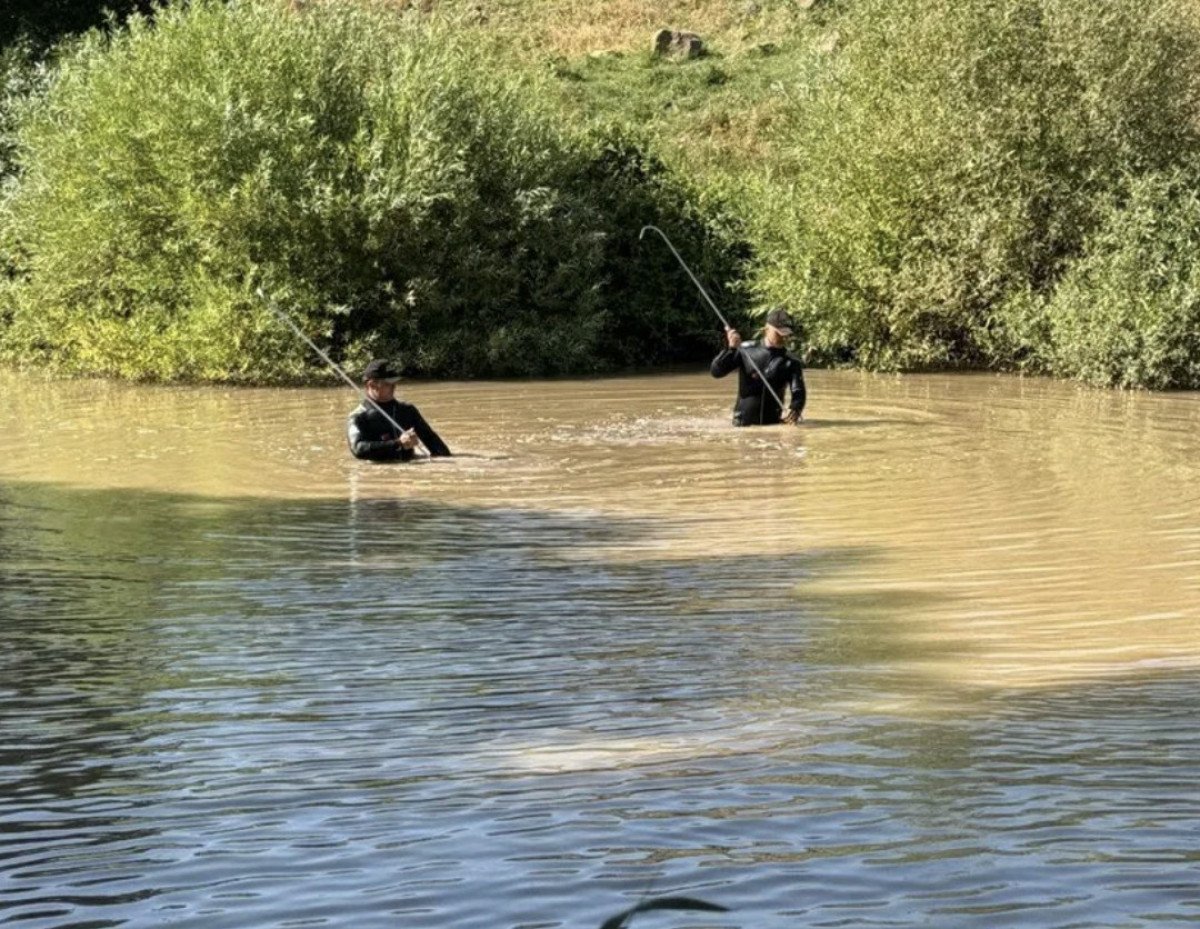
pixel 709 301
pixel 362 394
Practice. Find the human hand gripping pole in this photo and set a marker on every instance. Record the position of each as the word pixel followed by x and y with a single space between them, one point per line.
pixel 290 323
pixel 720 315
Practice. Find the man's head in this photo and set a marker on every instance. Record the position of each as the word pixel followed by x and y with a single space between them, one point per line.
pixel 780 326
pixel 380 377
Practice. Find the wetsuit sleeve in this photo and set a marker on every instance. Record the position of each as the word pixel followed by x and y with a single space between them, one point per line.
pixel 425 433
pixel 799 392
pixel 728 361
pixel 363 448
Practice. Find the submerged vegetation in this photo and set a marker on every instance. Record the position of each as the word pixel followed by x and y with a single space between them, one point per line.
pixel 926 184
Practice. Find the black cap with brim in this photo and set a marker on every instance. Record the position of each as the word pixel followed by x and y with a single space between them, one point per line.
pixel 782 320
pixel 381 370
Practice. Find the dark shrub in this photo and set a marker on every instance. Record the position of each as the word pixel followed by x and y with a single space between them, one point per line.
pixel 41 23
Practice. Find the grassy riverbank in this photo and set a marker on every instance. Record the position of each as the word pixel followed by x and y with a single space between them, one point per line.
pixel 926 184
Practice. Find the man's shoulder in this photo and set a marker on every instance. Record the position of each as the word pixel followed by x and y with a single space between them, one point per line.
pixel 366 411
pixel 389 407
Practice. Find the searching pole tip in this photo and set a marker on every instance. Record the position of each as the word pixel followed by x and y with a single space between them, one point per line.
pixel 642 234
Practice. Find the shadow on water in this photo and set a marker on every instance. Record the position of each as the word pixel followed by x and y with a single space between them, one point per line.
pixel 111 595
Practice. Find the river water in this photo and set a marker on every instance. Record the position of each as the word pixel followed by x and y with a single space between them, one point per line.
pixel 930 659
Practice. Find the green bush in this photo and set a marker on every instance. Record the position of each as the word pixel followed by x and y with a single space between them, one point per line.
pixel 955 161
pixel 20 79
pixel 1128 314
pixel 392 181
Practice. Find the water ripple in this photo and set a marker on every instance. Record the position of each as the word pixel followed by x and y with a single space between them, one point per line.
pixel 930 659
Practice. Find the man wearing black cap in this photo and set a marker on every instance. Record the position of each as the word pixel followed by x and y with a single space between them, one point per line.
pixel 372 431
pixel 756 405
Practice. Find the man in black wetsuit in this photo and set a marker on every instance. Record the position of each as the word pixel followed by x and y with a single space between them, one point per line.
pixel 755 406
pixel 369 433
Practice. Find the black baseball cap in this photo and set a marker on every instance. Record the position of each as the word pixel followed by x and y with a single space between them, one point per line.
pixel 781 319
pixel 381 370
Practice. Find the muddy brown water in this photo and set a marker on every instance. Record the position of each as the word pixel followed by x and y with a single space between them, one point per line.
pixel 930 659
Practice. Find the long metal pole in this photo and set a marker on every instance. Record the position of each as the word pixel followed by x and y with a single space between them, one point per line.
pixel 287 321
pixel 709 301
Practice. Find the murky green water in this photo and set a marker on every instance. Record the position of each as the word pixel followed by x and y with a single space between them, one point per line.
pixel 931 659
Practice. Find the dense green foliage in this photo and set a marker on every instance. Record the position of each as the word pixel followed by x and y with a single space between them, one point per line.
pixel 1128 312
pixel 925 183
pixel 958 163
pixel 29 33
pixel 14 68
pixel 395 184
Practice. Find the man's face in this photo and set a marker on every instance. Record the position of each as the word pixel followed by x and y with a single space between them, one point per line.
pixel 382 391
pixel 778 336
